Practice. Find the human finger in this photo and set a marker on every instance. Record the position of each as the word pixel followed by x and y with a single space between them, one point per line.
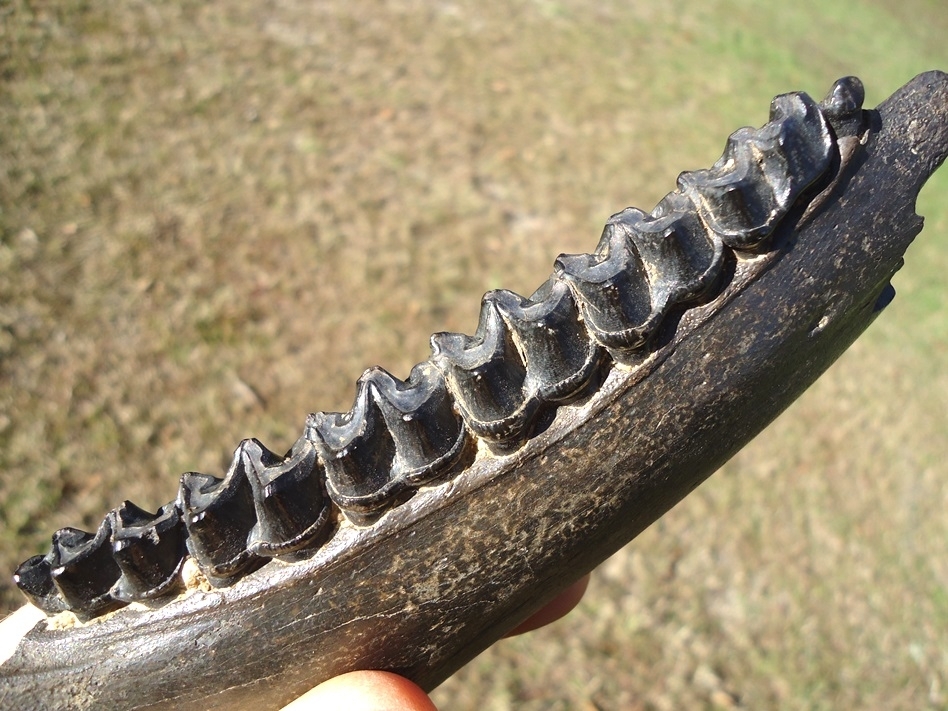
pixel 365 691
pixel 555 609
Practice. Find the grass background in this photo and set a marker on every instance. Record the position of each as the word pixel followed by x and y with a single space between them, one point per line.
pixel 215 215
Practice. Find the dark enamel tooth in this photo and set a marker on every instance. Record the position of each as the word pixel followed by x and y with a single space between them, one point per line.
pixel 35 580
pixel 682 259
pixel 292 509
pixel 219 515
pixel 561 359
pixel 149 549
pixel 487 377
pixel 798 131
pixel 429 434
pixel 843 106
pixel 358 453
pixel 732 196
pixel 612 290
pixel 83 569
pixel 762 172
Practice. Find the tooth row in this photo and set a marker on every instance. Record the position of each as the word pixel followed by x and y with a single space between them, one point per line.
pixel 133 555
pixel 529 353
pixel 265 506
pixel 527 357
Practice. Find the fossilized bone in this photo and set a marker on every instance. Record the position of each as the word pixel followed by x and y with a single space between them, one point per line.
pixel 413 531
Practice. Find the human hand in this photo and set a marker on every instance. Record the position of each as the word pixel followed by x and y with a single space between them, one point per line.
pixel 385 691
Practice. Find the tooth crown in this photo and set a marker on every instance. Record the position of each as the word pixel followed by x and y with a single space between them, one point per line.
pixel 291 507
pixel 561 360
pixel 527 357
pixel 487 376
pixel 219 515
pixel 399 435
pixel 149 550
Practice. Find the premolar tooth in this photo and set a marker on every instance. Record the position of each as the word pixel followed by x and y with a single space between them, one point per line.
pixel 292 509
pixel 486 375
pixel 612 290
pixel 149 549
pixel 219 515
pixel 561 359
pixel 429 434
pixel 358 453
pixel 83 569
pixel 34 578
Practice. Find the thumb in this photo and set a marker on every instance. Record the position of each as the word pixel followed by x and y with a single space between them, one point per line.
pixel 365 691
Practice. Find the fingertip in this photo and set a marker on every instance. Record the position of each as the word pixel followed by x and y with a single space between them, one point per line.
pixel 557 608
pixel 365 691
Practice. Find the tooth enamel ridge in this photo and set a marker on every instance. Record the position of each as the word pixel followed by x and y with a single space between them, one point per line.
pixel 291 508
pixel 149 550
pixel 219 515
pixel 83 569
pixel 527 357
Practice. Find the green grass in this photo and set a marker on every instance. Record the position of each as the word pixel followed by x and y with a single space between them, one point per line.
pixel 214 217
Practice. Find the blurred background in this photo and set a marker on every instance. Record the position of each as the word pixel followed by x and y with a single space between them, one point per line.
pixel 215 215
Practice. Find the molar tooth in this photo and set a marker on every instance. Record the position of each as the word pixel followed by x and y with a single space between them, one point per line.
pixel 148 548
pixel 429 434
pixel 612 290
pixel 802 138
pixel 358 453
pixel 83 569
pixel 486 375
pixel 561 359
pixel 219 515
pixel 682 258
pixel 762 172
pixel 292 509
pixel 733 196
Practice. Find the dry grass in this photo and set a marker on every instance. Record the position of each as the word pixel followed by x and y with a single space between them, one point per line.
pixel 213 216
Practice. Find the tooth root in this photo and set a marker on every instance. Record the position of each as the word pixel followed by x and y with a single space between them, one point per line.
pixel 219 515
pixel 560 358
pixel 148 548
pixel 746 193
pixel 83 570
pixel 429 435
pixel 358 453
pixel 612 290
pixel 487 377
pixel 35 580
pixel 292 510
